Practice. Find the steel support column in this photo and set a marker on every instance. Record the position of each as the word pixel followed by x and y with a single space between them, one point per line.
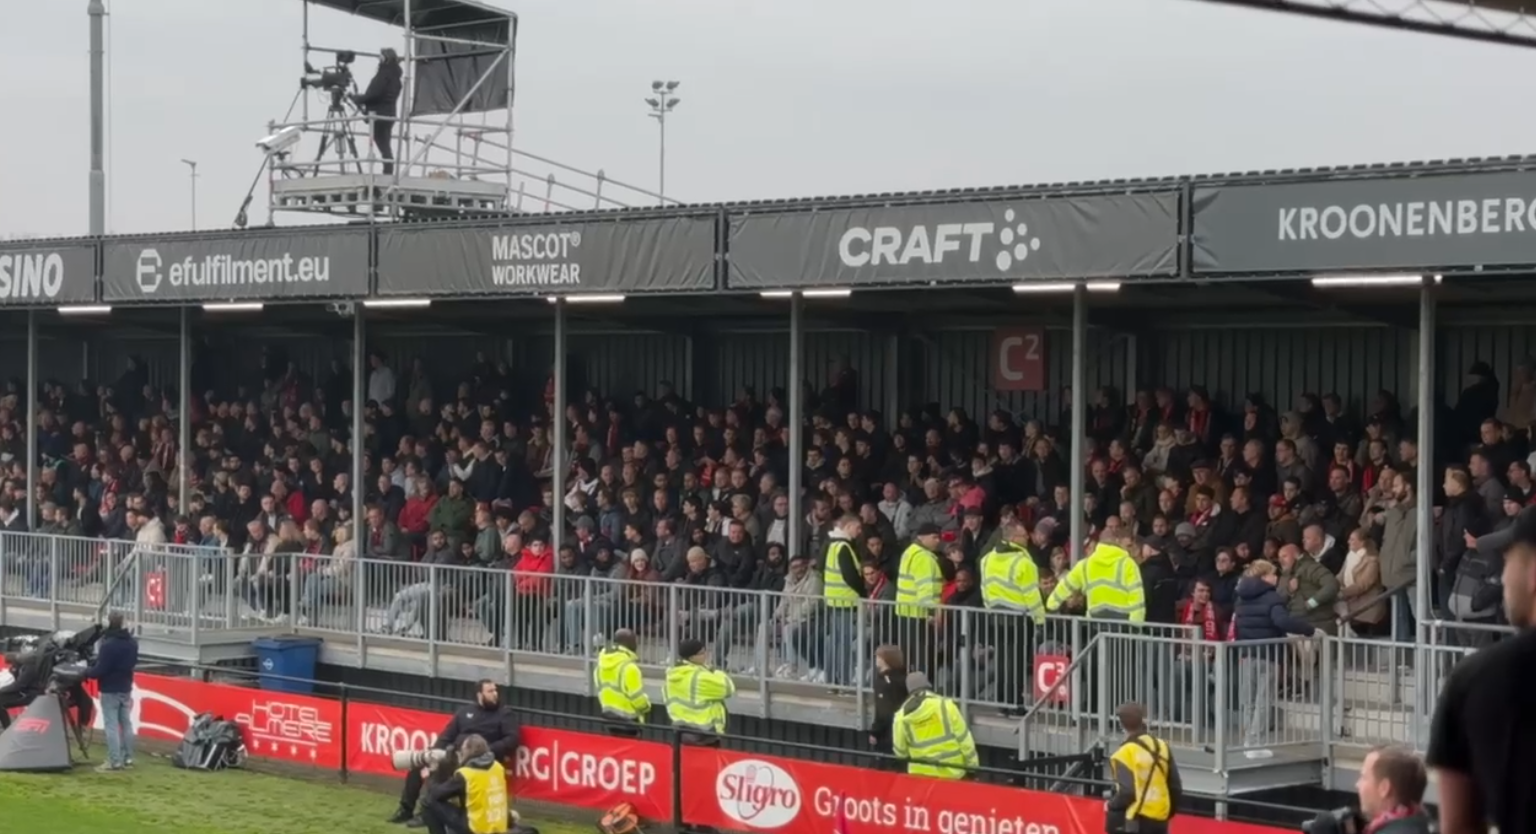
pixel 1424 490
pixel 98 179
pixel 796 422
pixel 558 439
pixel 184 406
pixel 30 402
pixel 1078 431
pixel 359 396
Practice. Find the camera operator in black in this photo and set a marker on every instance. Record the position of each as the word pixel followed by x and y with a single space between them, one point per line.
pixel 379 100
pixel 486 718
pixel 27 682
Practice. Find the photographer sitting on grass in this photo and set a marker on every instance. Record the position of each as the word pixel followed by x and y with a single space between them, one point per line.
pixel 474 800
pixel 486 719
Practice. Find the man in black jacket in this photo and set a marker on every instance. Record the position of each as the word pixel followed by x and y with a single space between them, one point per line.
pixel 486 718
pixel 379 101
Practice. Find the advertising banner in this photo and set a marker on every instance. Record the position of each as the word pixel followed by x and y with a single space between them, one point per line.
pixel 674 254
pixel 1456 221
pixel 36 274
pixel 725 789
pixel 741 792
pixel 255 266
pixel 1113 236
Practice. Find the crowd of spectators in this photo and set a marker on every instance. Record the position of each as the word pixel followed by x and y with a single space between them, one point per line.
pixel 458 472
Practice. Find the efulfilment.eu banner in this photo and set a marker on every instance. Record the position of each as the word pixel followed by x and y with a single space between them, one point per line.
pixel 257 266
pixel 674 254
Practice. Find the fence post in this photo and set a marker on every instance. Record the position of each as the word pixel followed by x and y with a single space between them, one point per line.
pixel 677 778
pixel 346 736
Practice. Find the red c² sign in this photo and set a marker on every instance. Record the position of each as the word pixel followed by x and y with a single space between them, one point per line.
pixel 1018 359
pixel 1049 670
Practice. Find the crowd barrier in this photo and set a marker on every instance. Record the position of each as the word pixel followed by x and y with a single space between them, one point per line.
pixel 666 780
pixel 1252 698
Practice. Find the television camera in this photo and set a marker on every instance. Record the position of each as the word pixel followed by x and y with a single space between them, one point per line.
pixel 335 79
pixel 55 666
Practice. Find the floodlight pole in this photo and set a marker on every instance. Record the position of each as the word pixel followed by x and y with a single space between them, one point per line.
pixel 662 102
pixel 98 178
pixel 192 164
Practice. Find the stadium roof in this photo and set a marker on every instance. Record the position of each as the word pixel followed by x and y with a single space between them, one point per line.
pixel 1491 21
pixel 424 13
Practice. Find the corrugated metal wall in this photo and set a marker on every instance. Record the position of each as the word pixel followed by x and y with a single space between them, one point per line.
pixel 949 367
pixel 760 360
pixel 1457 348
pixel 1281 363
pixel 954 370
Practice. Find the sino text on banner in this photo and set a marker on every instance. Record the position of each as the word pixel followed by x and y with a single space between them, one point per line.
pixel 38 272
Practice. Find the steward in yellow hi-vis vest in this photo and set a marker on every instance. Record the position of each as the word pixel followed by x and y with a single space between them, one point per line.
pixel 930 732
pixel 1148 789
pixel 842 587
pixel 617 680
pixel 1010 587
pixel 919 582
pixel 696 695
pixel 1109 580
pixel 474 798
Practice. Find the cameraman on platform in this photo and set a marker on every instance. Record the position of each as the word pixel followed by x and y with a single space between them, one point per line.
pixel 379 101
pixel 117 655
pixel 486 718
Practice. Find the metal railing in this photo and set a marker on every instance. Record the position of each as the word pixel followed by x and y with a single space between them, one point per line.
pixel 1252 699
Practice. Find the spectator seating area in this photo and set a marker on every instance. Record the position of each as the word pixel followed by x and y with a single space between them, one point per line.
pixel 678 522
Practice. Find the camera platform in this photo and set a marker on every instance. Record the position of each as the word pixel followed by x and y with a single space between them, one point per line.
pixel 385 194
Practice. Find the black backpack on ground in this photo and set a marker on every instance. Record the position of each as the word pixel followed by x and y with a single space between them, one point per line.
pixel 211 743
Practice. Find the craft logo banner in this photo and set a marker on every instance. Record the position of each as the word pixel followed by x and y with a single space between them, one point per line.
pixel 41 274
pixel 1115 236
pixel 248 267
pixel 621 256
pixel 1454 221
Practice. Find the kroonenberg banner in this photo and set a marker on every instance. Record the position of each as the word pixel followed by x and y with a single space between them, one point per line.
pixel 1114 236
pixel 1460 221
pixel 618 256
pixel 243 267
pixel 39 273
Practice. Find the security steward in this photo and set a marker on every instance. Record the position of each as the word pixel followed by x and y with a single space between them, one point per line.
pixel 474 800
pixel 930 732
pixel 485 718
pixel 919 581
pixel 620 686
pixel 1010 585
pixel 842 582
pixel 1148 789
pixel 696 696
pixel 1109 579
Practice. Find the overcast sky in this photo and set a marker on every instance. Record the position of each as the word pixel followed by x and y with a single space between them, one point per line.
pixel 779 99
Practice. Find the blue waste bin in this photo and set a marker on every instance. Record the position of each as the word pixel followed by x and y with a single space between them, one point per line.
pixel 287 664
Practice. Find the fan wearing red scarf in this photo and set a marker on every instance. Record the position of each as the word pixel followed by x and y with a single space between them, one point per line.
pixel 1391 791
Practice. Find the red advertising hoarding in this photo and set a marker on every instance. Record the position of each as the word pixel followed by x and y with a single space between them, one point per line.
pixel 724 789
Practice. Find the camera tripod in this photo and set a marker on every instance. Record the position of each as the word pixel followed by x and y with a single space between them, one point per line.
pixel 337 135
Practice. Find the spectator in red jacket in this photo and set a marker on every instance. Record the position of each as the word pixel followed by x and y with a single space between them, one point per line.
pixel 533 584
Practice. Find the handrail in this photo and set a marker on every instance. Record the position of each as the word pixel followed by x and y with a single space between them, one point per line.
pixel 1083 653
pixel 1374 600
